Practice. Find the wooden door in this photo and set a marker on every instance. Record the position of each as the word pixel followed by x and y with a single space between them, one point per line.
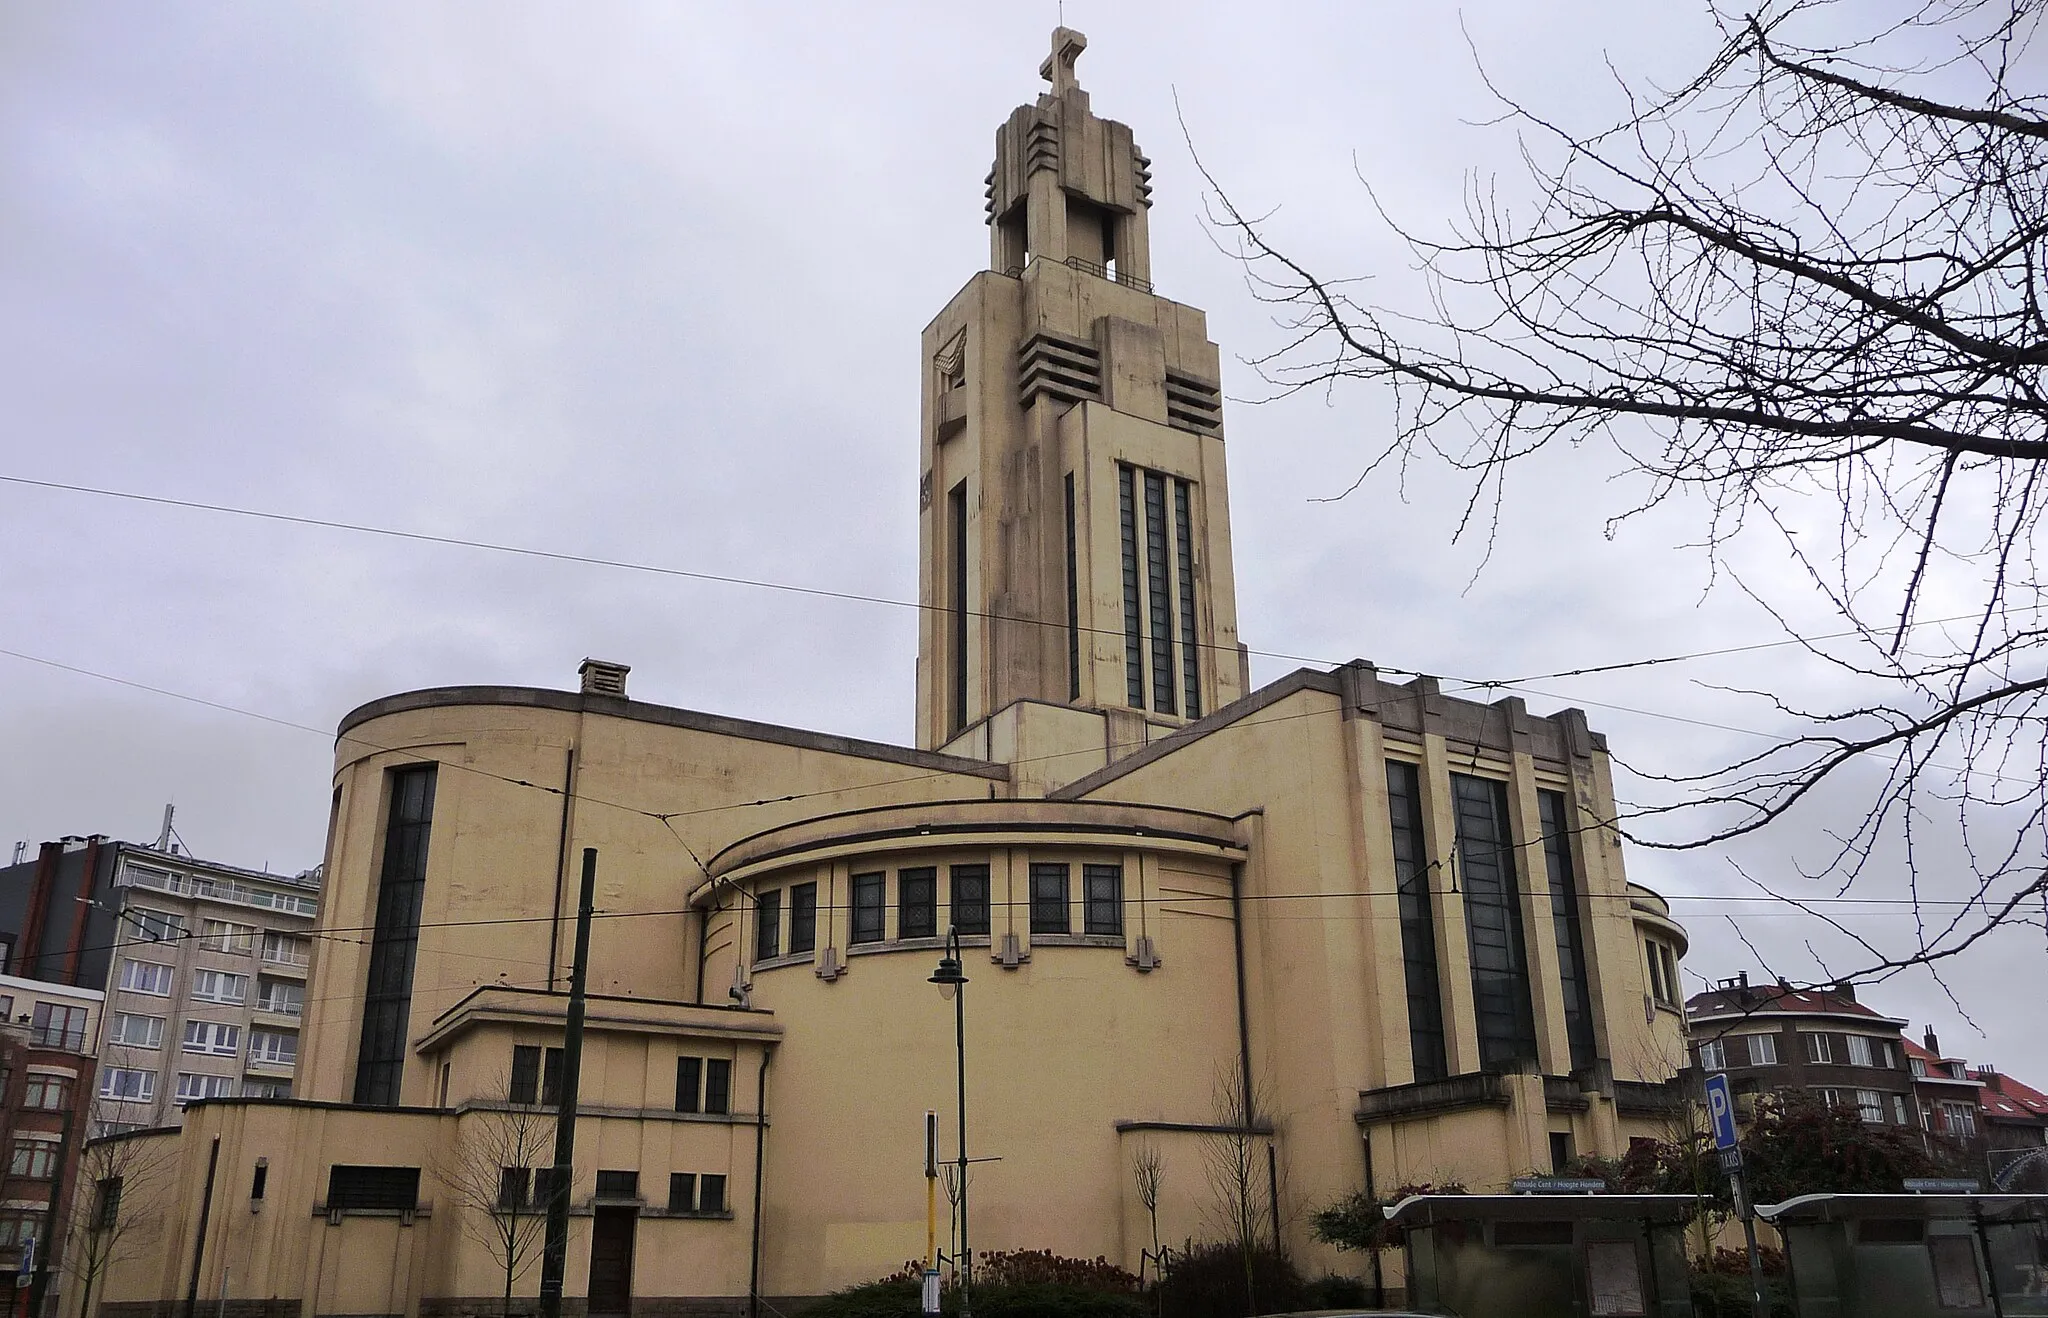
pixel 611 1261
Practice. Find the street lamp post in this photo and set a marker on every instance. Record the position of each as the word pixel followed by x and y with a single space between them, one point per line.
pixel 951 981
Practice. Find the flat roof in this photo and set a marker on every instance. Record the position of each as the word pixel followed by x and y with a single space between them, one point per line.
pixel 1851 1207
pixel 1428 1209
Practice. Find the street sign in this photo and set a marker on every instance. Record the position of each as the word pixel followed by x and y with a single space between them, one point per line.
pixel 1721 1111
pixel 1941 1185
pixel 1731 1160
pixel 1557 1185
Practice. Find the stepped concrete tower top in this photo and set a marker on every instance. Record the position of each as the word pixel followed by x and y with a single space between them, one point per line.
pixel 1074 527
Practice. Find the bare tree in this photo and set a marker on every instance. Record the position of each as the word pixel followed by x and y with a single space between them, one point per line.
pixel 1236 1159
pixel 497 1173
pixel 125 1181
pixel 1148 1170
pixel 1808 283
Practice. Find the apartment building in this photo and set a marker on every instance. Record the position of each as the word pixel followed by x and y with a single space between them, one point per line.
pixel 207 985
pixel 47 1036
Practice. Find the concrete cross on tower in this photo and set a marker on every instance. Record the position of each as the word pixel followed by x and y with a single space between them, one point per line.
pixel 1058 69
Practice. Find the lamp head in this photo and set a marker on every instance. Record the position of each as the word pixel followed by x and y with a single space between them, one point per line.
pixel 948 976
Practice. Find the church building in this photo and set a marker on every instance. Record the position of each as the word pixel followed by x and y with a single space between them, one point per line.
pixel 1373 933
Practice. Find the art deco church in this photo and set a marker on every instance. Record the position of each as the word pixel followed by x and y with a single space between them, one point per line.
pixel 1399 914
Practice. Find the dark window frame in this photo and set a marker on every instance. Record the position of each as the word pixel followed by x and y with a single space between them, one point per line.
pixel 1127 523
pixel 1427 1045
pixel 966 909
pixel 768 925
pixel 689 1084
pixel 803 918
pixel 870 915
pixel 1159 596
pixel 1184 563
pixel 1555 814
pixel 1051 893
pixel 917 902
pixel 711 1196
pixel 1496 942
pixel 394 940
pixel 717 1086
pixel 1102 900
pixel 682 1192
pixel 354 1187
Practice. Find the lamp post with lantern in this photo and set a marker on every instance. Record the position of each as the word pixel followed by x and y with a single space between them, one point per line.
pixel 952 981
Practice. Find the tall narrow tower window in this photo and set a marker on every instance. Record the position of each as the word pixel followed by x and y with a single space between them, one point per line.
pixel 1159 599
pixel 387 997
pixel 1073 602
pixel 1564 914
pixel 1184 573
pixel 1418 931
pixel 1493 923
pixel 1134 656
pixel 956 512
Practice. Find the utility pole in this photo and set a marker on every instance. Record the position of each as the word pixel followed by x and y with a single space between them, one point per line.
pixel 555 1252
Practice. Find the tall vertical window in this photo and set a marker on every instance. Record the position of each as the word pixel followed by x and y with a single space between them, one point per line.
pixel 1493 922
pixel 717 1085
pixel 1127 518
pixel 1049 899
pixel 387 997
pixel 1159 594
pixel 917 903
pixel 803 918
pixel 1184 574
pixel 1102 899
pixel 970 898
pixel 956 512
pixel 869 908
pixel 768 925
pixel 689 1084
pixel 1564 918
pixel 1418 924
pixel 1073 601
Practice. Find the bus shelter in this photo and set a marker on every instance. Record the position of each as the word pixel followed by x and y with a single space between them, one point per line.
pixel 1547 1255
pixel 1887 1255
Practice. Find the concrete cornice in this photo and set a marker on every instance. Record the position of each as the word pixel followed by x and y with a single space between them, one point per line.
pixel 1301 679
pixel 490 1004
pixel 572 702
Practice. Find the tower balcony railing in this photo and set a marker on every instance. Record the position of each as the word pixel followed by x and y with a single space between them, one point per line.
pixel 1096 268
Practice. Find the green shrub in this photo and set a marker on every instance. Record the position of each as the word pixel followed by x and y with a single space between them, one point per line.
pixel 875 1299
pixel 1334 1292
pixel 1208 1281
pixel 1720 1295
pixel 1043 1299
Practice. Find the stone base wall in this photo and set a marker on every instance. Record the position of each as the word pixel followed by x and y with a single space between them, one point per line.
pixel 203 1309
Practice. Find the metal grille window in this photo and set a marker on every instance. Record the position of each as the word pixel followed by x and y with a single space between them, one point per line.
pixel 401 889
pixel 106 1203
pixel 1049 899
pixel 870 908
pixel 969 897
pixel 956 511
pixel 710 1193
pixel 536 1075
pixel 803 918
pixel 515 1190
pixel 1418 931
pixel 717 1085
pixel 1184 556
pixel 1127 520
pixel 1158 594
pixel 768 925
pixel 1493 922
pixel 917 903
pixel 618 1185
pixel 1073 601
pixel 1555 814
pixel 1102 889
pixel 353 1188
pixel 682 1192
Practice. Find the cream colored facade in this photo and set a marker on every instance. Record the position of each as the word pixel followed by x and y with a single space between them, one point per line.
pixel 1164 880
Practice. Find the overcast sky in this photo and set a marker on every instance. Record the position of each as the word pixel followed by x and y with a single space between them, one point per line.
pixel 645 282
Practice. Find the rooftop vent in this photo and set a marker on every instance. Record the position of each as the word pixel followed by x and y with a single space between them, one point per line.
pixel 601 677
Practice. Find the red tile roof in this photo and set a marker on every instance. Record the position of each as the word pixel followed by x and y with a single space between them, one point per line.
pixel 2006 1097
pixel 1936 1076
pixel 1776 998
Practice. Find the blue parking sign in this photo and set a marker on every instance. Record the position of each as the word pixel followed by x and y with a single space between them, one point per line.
pixel 1721 1111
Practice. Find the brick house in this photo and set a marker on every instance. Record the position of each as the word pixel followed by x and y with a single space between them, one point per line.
pixel 1775 1039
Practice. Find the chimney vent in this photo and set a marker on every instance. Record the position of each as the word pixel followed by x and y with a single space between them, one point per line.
pixel 601 677
pixel 1845 990
pixel 1933 1045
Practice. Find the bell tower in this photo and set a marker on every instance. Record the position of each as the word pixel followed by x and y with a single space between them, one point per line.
pixel 1074 524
